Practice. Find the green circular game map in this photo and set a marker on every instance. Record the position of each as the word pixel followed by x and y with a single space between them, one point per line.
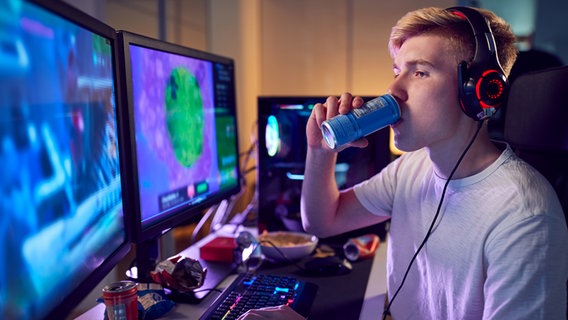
pixel 184 115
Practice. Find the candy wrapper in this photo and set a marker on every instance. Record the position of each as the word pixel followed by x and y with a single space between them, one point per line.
pixel 179 274
pixel 152 301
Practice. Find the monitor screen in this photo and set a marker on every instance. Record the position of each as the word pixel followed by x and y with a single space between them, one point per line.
pixel 61 214
pixel 282 148
pixel 183 133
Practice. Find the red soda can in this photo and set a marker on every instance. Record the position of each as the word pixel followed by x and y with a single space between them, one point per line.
pixel 121 300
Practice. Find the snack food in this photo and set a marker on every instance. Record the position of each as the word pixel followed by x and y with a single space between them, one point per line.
pixel 284 245
pixel 284 239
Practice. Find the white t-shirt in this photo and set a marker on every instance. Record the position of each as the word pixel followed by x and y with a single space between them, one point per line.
pixel 499 249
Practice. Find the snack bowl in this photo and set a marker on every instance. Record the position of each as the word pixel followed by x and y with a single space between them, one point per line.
pixel 287 245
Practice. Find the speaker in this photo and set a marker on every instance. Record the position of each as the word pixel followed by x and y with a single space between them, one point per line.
pixel 482 86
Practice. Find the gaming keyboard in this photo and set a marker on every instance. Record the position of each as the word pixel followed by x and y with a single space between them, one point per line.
pixel 256 290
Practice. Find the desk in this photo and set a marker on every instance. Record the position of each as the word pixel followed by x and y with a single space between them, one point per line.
pixel 370 305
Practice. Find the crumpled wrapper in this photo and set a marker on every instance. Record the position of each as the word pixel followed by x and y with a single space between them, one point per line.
pixel 180 274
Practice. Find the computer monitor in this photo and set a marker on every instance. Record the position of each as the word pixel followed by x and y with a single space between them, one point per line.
pixel 182 127
pixel 61 216
pixel 282 148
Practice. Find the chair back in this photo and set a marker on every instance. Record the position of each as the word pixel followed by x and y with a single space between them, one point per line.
pixel 536 125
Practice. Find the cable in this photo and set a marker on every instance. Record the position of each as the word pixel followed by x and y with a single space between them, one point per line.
pixel 202 222
pixel 427 236
pixel 207 289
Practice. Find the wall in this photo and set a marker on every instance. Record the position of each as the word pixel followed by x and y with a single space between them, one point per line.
pixel 328 47
pixel 184 20
pixel 551 29
pixel 544 21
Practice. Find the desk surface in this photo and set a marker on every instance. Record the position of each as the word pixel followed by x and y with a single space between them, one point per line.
pixel 370 308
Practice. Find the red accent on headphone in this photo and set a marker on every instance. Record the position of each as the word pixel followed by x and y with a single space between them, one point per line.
pixel 493 90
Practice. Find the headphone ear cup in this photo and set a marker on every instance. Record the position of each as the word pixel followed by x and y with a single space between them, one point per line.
pixel 481 93
pixel 466 94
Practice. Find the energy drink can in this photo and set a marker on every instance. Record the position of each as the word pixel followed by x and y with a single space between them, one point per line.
pixel 359 122
pixel 121 300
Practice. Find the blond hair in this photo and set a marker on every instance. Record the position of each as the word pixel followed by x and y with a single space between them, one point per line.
pixel 441 22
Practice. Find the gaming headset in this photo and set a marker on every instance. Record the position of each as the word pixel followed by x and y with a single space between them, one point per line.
pixel 483 86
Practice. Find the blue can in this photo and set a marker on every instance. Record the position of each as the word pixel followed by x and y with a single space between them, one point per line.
pixel 360 122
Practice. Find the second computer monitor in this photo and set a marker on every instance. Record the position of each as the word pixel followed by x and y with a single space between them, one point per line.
pixel 182 127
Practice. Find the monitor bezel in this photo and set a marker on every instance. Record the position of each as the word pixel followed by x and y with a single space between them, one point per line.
pixel 76 16
pixel 144 234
